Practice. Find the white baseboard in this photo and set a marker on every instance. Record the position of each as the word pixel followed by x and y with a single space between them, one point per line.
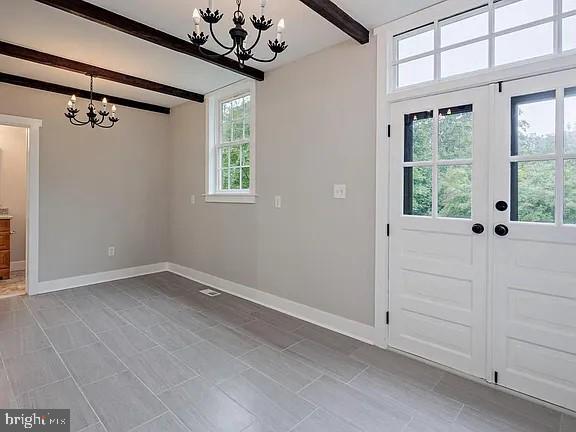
pixel 94 278
pixel 17 265
pixel 345 326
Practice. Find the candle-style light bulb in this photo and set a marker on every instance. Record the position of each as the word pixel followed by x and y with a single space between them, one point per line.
pixel 262 6
pixel 69 104
pixel 280 31
pixel 104 103
pixel 196 18
pixel 73 99
pixel 114 108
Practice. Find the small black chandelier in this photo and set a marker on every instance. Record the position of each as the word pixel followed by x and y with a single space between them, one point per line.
pixel 92 114
pixel 237 33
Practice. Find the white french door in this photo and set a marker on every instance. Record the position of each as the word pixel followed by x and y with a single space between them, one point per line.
pixel 534 246
pixel 438 242
pixel 483 201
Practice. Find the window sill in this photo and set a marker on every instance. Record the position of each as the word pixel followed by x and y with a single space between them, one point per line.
pixel 231 198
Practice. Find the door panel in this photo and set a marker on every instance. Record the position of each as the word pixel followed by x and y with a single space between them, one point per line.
pixel 534 275
pixel 438 266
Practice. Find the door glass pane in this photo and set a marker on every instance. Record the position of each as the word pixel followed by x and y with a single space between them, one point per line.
pixel 465 29
pixel 416 71
pixel 568 5
pixel 534 124
pixel 522 12
pixel 455 191
pixel 455 133
pixel 414 45
pixel 570 191
pixel 418 191
pixel 569 33
pixel 525 44
pixel 468 58
pixel 533 191
pixel 570 122
pixel 418 129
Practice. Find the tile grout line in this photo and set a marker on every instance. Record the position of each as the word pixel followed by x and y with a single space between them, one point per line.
pixel 65 365
pixel 127 368
pixel 10 386
pixel 358 374
pixel 317 408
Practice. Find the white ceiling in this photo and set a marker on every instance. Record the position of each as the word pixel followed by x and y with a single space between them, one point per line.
pixel 37 26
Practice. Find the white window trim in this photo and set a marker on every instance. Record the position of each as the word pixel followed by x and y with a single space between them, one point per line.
pixel 430 17
pixel 214 100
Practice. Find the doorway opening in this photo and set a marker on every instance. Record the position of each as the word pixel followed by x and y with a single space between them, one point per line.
pixel 13 210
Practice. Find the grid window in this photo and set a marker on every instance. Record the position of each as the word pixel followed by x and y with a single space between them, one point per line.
pixel 234 145
pixel 539 158
pixel 438 163
pixel 521 30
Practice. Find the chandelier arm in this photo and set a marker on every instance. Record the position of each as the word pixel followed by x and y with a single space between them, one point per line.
pixel 255 43
pixel 105 127
pixel 218 42
pixel 77 122
pixel 265 61
pixel 207 54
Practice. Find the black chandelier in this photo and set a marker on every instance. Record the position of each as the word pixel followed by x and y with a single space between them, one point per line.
pixel 237 33
pixel 92 114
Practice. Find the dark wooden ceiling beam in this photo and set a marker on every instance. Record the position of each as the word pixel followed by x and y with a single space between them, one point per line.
pixel 126 25
pixel 69 91
pixel 23 53
pixel 340 19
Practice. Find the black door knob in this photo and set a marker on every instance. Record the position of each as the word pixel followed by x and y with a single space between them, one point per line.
pixel 477 228
pixel 501 206
pixel 501 230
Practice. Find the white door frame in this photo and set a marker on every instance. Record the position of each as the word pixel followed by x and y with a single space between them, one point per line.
pixel 33 195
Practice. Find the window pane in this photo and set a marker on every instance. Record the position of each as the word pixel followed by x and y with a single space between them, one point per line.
pixel 570 122
pixel 525 44
pixel 235 178
pixel 570 191
pixel 533 191
pixel 569 33
pixel 568 5
pixel 414 45
pixel 238 109
pixel 416 71
pixel 226 132
pixel 224 180
pixel 418 129
pixel 245 155
pixel 418 191
pixel 224 157
pixel 468 58
pixel 226 112
pixel 245 178
pixel 455 191
pixel 523 12
pixel 235 156
pixel 466 29
pixel 535 124
pixel 237 131
pixel 455 133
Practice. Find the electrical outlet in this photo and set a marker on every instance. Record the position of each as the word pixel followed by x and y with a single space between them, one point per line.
pixel 340 191
pixel 277 201
pixel 192 199
pixel 111 251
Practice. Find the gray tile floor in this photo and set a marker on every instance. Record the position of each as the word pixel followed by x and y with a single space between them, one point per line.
pixel 153 354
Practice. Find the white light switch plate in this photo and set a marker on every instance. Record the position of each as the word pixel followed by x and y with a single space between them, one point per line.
pixel 192 199
pixel 111 251
pixel 277 201
pixel 340 191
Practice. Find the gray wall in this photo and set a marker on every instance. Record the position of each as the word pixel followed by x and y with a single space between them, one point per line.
pixel 316 126
pixel 98 188
pixel 13 159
